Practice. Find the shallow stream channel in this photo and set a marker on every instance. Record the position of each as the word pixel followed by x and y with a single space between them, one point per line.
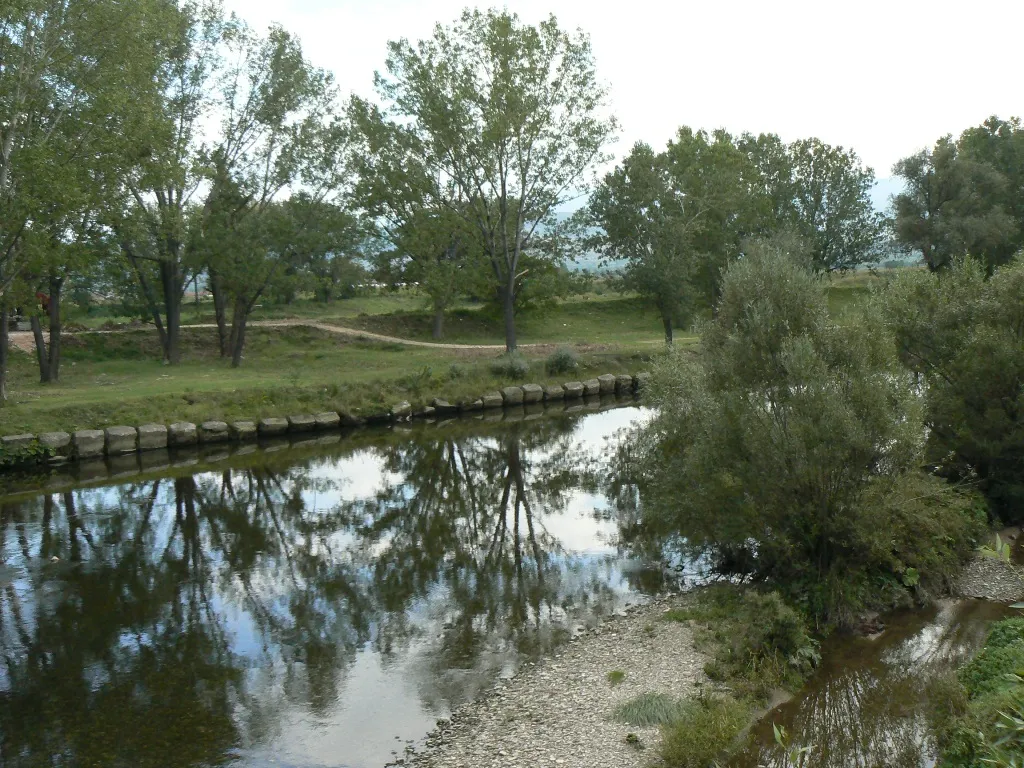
pixel 326 605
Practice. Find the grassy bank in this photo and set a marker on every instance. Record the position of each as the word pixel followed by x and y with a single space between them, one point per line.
pixel 981 719
pixel 118 378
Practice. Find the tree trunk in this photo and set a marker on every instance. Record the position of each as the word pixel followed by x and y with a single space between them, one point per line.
pixel 56 286
pixel 3 353
pixel 241 316
pixel 666 319
pixel 438 331
pixel 41 354
pixel 170 279
pixel 220 311
pixel 508 304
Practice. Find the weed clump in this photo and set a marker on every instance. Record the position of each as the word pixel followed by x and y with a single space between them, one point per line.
pixel 615 677
pixel 562 360
pixel 650 709
pixel 704 731
pixel 511 366
pixel 759 642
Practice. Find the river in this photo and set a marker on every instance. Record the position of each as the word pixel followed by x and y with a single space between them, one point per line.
pixel 304 609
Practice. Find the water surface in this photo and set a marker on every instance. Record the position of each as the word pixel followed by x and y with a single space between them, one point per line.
pixel 315 610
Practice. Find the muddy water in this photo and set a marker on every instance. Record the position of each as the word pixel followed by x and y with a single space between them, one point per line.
pixel 314 609
pixel 868 704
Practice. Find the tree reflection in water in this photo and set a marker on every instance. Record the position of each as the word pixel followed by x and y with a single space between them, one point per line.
pixel 184 616
pixel 867 704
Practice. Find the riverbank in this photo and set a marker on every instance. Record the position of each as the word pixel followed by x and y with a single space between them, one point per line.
pixel 558 712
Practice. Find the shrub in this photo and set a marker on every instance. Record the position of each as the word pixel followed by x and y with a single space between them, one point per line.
pixel 562 360
pixel 704 731
pixel 511 366
pixel 772 449
pixel 457 371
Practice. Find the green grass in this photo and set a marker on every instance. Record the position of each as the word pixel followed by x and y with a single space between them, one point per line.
pixel 119 379
pixel 590 319
pixel 615 677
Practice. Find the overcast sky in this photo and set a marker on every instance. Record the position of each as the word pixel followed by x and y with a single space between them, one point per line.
pixel 885 77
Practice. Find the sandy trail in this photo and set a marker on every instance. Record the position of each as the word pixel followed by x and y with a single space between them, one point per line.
pixel 23 339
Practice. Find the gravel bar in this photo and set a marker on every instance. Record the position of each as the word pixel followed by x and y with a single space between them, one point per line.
pixel 988 578
pixel 557 712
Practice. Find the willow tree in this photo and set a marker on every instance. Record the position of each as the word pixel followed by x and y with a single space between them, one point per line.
pixel 500 122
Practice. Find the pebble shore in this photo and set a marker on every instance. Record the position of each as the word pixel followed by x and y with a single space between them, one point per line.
pixel 557 712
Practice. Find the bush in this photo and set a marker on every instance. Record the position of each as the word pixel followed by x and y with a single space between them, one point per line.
pixel 512 366
pixel 964 335
pixel 562 360
pixel 704 731
pixel 773 450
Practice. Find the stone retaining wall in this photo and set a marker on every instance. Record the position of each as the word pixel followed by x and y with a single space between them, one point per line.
pixel 119 440
pixel 100 470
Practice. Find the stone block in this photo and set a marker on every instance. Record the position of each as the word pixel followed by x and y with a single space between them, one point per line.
pixel 642 381
pixel 152 437
pixel 471 406
pixel 305 422
pixel 402 411
pixel 272 426
pixel 606 383
pixel 213 432
pixel 591 387
pixel 532 393
pixel 327 420
pixel 15 443
pixel 493 400
pixel 443 407
pixel 182 434
pixel 573 389
pixel 553 393
pixel 427 412
pixel 242 431
pixel 623 384
pixel 121 440
pixel 57 443
pixel 512 395
pixel 88 443
pixel 351 419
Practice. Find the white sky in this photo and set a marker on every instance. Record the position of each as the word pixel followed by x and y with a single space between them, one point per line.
pixel 885 77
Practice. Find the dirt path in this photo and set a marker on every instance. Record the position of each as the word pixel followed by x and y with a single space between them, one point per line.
pixel 23 339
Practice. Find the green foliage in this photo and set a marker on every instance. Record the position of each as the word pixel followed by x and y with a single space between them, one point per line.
pixel 562 360
pixel 511 366
pixel 1000 550
pixel 33 453
pixel 650 709
pixel 615 677
pixel 990 728
pixel 788 449
pixel 965 336
pixel 704 731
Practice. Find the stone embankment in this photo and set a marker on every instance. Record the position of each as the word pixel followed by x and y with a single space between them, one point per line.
pixel 120 440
